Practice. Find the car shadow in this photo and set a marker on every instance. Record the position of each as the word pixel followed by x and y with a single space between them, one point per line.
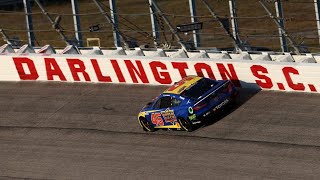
pixel 244 95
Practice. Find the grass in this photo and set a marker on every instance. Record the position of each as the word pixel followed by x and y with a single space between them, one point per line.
pixel 299 22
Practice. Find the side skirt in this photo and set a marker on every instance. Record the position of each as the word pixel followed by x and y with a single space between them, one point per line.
pixel 177 125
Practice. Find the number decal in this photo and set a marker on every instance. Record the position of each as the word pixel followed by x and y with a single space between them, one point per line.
pixel 156 119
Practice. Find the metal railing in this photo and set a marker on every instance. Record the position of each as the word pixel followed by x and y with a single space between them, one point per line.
pixel 225 24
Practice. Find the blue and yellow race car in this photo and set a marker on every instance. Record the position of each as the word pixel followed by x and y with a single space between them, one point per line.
pixel 187 103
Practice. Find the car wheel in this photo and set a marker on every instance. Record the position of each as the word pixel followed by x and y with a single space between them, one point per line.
pixel 185 124
pixel 146 125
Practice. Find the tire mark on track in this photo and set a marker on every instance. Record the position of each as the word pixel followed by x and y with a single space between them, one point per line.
pixel 73 99
pixel 24 178
pixel 165 135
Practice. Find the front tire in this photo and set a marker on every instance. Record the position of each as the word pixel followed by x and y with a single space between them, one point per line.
pixel 185 124
pixel 146 125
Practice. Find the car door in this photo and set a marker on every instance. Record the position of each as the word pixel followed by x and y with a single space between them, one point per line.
pixel 163 111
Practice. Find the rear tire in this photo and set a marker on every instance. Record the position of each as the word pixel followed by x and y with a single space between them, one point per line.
pixel 185 124
pixel 146 125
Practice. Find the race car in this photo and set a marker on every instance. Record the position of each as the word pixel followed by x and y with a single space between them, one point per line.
pixel 187 103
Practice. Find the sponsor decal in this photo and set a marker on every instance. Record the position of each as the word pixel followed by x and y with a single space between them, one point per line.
pixel 206 114
pixel 220 105
pixel 193 117
pixel 196 122
pixel 188 101
pixel 168 116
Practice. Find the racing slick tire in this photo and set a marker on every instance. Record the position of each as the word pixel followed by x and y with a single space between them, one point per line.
pixel 146 125
pixel 185 124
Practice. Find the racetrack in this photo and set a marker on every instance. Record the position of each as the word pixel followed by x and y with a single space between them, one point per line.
pixel 90 131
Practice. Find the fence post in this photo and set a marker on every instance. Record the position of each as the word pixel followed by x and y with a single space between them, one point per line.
pixel 116 31
pixel 193 13
pixel 275 20
pixel 6 37
pixel 56 26
pixel 114 18
pixel 76 21
pixel 317 10
pixel 154 24
pixel 283 40
pixel 166 20
pixel 236 42
pixel 234 20
pixel 27 9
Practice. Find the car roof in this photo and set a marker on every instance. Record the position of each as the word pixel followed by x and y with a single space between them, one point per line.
pixel 183 84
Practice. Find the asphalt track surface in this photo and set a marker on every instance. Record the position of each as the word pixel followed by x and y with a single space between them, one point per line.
pixel 90 131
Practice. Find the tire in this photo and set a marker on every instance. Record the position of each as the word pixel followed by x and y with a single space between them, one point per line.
pixel 146 125
pixel 185 124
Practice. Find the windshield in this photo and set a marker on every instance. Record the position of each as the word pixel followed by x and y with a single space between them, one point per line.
pixel 201 86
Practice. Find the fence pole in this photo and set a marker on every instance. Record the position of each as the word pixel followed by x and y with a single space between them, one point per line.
pixel 114 18
pixel 234 20
pixel 317 10
pixel 283 40
pixel 76 21
pixel 5 37
pixel 236 42
pixel 166 20
pixel 117 41
pixel 275 20
pixel 56 26
pixel 27 9
pixel 154 24
pixel 193 13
